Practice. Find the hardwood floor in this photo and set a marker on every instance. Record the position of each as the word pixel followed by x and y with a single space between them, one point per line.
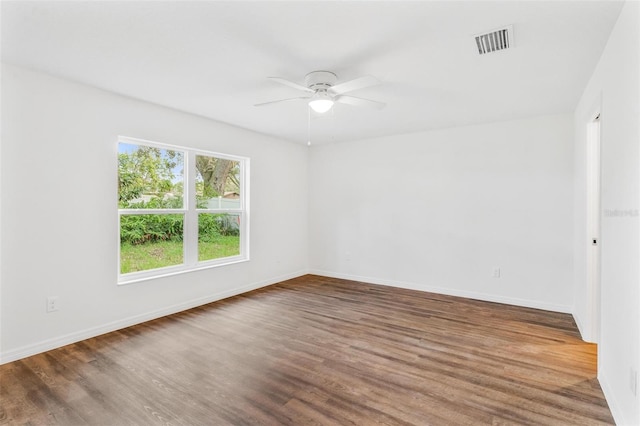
pixel 319 351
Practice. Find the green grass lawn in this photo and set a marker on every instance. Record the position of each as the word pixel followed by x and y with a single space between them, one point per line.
pixel 147 256
pixel 223 246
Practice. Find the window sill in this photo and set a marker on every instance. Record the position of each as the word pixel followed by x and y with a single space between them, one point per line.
pixel 136 277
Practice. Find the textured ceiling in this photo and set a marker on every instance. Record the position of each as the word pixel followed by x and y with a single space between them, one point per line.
pixel 212 58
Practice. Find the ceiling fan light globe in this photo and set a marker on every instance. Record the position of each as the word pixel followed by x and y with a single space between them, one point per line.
pixel 321 105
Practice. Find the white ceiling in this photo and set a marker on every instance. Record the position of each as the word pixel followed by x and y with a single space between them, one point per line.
pixel 212 58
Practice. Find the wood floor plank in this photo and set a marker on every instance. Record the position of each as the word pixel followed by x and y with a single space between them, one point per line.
pixel 319 351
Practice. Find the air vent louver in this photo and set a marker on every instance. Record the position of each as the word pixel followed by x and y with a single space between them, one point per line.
pixel 495 40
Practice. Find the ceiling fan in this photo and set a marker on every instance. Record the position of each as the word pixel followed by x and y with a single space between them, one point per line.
pixel 322 91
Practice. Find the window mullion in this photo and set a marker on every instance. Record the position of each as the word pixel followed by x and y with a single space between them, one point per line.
pixel 244 215
pixel 191 215
pixel 150 211
pixel 221 211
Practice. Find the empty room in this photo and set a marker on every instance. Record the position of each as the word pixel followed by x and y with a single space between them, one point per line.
pixel 320 212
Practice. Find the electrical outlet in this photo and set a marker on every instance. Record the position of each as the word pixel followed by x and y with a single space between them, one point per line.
pixel 496 272
pixel 633 381
pixel 52 304
pixel 347 256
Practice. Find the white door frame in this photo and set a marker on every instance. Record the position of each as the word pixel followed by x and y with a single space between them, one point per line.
pixel 593 224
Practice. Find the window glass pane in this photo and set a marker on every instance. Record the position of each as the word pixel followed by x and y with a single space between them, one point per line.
pixel 218 236
pixel 149 178
pixel 150 241
pixel 217 183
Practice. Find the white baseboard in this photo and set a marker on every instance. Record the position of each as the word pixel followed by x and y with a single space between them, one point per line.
pixel 581 330
pixel 57 342
pixel 614 406
pixel 449 292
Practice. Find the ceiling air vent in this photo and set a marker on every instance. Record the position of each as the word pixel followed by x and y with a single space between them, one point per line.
pixel 495 40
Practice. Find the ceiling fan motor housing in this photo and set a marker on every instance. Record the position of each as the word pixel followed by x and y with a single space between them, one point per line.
pixel 320 80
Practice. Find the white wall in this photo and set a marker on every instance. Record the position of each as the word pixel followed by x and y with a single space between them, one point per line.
pixel 59 221
pixel 461 202
pixel 615 87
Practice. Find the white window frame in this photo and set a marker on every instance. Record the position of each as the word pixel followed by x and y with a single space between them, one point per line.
pixel 190 212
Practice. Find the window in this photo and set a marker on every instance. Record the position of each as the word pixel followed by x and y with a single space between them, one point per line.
pixel 179 209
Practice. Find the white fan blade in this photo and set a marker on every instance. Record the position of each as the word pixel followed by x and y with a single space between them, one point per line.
pixel 351 85
pixel 281 100
pixel 352 100
pixel 291 84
